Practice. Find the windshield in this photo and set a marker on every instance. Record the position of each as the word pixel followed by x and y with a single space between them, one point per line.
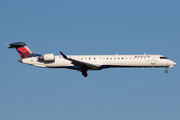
pixel 163 58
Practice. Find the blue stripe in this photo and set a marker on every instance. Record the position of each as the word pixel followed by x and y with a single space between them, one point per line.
pixel 21 53
pixel 71 67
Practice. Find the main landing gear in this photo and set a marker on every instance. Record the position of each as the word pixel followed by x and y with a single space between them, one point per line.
pixel 84 72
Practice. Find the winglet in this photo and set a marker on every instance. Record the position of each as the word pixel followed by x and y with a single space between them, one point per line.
pixel 64 56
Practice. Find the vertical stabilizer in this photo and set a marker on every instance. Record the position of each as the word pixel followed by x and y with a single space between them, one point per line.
pixel 23 50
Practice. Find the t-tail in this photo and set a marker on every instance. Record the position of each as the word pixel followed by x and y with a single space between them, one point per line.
pixel 23 50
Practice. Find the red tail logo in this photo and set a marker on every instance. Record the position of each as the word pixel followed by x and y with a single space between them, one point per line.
pixel 24 52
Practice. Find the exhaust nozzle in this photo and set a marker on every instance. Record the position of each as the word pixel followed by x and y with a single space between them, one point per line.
pixel 20 60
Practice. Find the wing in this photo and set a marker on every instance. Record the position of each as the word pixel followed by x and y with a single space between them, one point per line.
pixel 80 64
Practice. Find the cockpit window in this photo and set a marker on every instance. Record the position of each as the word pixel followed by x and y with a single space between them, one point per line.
pixel 163 58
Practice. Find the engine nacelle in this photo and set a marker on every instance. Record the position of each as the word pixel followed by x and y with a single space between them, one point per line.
pixel 48 57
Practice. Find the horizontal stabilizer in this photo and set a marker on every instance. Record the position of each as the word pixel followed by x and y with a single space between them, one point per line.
pixel 17 44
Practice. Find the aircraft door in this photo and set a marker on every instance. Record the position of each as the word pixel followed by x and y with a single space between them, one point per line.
pixel 153 62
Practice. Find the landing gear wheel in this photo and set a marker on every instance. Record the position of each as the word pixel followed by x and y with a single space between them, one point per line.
pixel 166 71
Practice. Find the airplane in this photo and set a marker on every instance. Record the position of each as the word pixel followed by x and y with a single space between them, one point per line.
pixel 83 63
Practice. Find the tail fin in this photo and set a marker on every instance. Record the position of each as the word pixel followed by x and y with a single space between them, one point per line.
pixel 23 50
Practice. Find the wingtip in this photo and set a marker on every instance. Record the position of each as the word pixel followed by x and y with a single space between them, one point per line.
pixel 64 56
pixel 60 52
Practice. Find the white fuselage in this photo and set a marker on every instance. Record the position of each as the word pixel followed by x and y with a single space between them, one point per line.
pixel 103 61
pixel 83 63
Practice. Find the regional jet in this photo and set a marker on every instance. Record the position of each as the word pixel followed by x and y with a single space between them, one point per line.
pixel 83 63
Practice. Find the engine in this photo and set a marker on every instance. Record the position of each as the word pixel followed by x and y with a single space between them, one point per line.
pixel 47 57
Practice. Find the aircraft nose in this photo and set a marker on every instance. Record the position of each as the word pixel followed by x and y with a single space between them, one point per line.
pixel 174 63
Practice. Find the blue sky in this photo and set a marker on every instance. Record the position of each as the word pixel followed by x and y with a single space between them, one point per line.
pixel 89 27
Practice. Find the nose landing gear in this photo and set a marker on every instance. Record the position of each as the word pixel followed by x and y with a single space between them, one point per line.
pixel 166 71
